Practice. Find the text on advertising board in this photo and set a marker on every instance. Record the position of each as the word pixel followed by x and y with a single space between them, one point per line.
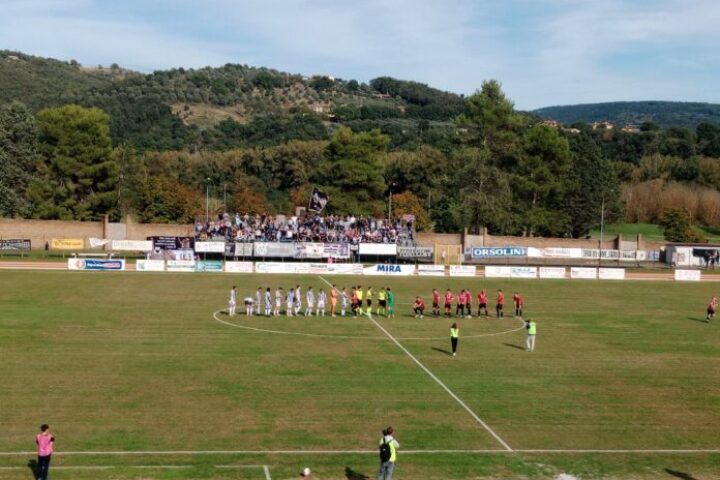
pixel 478 252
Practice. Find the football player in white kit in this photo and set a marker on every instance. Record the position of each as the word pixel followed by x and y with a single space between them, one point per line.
pixel 268 302
pixel 258 299
pixel 321 303
pixel 232 303
pixel 278 301
pixel 310 297
pixel 290 301
pixel 344 300
pixel 298 300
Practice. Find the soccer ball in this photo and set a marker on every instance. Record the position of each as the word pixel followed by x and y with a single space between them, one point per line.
pixel 306 472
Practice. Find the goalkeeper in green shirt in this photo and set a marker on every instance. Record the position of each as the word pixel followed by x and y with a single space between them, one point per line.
pixel 390 303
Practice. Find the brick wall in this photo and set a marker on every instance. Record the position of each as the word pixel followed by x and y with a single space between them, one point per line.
pixel 429 239
pixel 41 231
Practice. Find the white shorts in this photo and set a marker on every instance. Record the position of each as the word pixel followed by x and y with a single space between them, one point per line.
pixel 321 304
pixel 310 305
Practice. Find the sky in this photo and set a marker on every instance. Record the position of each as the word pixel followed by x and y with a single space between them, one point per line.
pixel 544 52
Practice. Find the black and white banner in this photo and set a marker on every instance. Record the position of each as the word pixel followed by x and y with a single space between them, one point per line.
pixel 415 252
pixel 15 244
pixel 318 200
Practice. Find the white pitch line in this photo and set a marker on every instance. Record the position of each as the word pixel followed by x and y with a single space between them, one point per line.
pixel 266 470
pixel 353 452
pixel 438 381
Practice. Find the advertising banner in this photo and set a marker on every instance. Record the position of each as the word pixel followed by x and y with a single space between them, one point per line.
pixel 95 264
pixel 555 252
pixel 551 272
pixel 583 272
pixel 209 266
pixel 480 252
pixel 14 244
pixel 431 270
pixel 336 268
pixel 95 242
pixel 150 265
pixel 132 245
pixel 180 265
pixel 377 249
pixel 463 270
pixel 415 252
pixel 688 275
pixel 186 254
pixel 611 273
pixel 523 272
pixel 239 267
pixel 309 250
pixel 389 269
pixel 67 243
pixel 172 243
pixel 274 249
pixel 492 271
pixel 210 247
pixel 278 267
pixel 336 250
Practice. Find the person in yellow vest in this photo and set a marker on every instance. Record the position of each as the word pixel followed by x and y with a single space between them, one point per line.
pixel 382 303
pixel 369 300
pixel 531 332
pixel 454 336
pixel 360 299
pixel 388 454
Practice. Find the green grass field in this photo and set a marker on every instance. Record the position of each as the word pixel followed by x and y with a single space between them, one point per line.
pixel 133 362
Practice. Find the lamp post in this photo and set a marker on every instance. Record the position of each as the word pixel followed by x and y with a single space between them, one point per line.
pixel 207 200
pixel 390 192
pixel 602 225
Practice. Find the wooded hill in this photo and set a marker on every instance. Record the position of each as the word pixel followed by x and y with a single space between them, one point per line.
pixel 664 114
pixel 229 106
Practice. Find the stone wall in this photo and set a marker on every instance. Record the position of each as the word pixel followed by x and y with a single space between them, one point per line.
pixel 41 231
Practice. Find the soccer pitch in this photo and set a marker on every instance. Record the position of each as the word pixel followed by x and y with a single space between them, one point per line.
pixel 142 375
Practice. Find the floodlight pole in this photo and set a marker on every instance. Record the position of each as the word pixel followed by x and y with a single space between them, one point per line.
pixel 207 201
pixel 602 224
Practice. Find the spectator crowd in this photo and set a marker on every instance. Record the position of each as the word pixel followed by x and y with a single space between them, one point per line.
pixel 310 228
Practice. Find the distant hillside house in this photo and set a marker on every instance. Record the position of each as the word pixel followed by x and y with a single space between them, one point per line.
pixel 630 129
pixel 602 125
pixel 550 123
pixel 572 131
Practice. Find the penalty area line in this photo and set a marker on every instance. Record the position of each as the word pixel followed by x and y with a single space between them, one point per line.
pixel 437 380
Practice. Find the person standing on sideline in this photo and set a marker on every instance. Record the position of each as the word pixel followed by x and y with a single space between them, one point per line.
pixel 454 335
pixel 44 441
pixel 359 293
pixel 499 305
pixel 388 454
pixel 712 306
pixel 369 300
pixel 298 300
pixel 390 303
pixel 518 300
pixel 232 303
pixel 531 331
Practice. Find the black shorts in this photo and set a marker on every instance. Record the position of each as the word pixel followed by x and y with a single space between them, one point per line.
pixel 447 305
pixel 369 302
pixel 499 306
pixel 436 305
pixel 483 305
pixel 711 311
pixel 382 303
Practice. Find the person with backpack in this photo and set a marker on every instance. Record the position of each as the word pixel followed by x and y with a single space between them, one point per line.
pixel 388 454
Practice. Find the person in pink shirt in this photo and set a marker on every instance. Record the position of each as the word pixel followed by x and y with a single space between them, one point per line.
pixel 44 441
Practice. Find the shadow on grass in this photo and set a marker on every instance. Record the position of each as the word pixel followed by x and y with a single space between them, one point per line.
pixel 683 475
pixel 697 319
pixel 446 352
pixel 32 465
pixel 512 345
pixel 351 474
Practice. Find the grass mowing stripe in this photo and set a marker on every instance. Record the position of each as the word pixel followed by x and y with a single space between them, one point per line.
pixel 437 380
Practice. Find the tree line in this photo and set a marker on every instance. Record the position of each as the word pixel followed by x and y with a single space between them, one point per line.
pixel 492 167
